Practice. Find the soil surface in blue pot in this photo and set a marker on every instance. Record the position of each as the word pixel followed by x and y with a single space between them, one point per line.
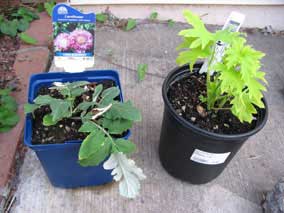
pixel 67 128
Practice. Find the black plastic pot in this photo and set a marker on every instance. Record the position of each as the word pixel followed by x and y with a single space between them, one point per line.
pixel 190 153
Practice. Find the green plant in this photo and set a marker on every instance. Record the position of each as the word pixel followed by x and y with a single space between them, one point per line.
pixel 131 24
pixel 103 117
pixel 8 111
pixel 171 23
pixel 18 22
pixel 153 16
pixel 101 17
pixel 236 80
pixel 141 71
pixel 49 5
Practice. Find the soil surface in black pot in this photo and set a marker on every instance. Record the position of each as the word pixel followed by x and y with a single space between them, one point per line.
pixel 66 129
pixel 184 95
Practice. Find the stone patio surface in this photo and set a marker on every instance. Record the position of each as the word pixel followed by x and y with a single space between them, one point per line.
pixel 254 170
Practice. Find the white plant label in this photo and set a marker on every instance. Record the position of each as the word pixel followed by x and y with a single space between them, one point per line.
pixel 233 23
pixel 208 158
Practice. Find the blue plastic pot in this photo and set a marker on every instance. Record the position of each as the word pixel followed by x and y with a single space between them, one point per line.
pixel 60 161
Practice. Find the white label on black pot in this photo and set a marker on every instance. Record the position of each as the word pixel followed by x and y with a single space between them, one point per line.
pixel 203 157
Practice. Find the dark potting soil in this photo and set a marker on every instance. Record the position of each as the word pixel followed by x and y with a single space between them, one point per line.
pixel 64 130
pixel 184 97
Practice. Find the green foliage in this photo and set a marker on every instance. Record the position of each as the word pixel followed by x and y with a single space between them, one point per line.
pixel 153 16
pixel 100 17
pixel 104 119
pixel 131 24
pixel 18 22
pixel 237 82
pixel 102 116
pixel 8 111
pixel 141 71
pixel 27 39
pixel 171 23
pixel 49 6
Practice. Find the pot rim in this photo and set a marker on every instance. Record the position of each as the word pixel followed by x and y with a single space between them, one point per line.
pixel 172 76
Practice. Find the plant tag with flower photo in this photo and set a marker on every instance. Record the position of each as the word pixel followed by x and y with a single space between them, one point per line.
pixel 73 38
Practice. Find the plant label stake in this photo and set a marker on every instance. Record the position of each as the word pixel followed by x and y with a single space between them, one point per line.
pixel 73 37
pixel 233 23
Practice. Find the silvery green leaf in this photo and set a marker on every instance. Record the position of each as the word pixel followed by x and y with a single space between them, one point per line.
pixel 125 171
pixel 97 92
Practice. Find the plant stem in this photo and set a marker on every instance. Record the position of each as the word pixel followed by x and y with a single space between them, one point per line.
pixel 227 108
pixel 106 133
pixel 208 76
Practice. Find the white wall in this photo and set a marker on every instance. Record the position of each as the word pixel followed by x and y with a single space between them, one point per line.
pixel 256 15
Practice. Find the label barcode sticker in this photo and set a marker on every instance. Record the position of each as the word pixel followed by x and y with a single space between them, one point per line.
pixel 208 158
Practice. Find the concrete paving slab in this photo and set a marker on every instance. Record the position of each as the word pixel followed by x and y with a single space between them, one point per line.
pixel 254 170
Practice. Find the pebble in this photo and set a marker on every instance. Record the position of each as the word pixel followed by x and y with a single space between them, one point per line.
pixel 178 111
pixel 216 127
pixel 183 108
pixel 226 125
pixel 201 111
pixel 193 119
pixel 67 128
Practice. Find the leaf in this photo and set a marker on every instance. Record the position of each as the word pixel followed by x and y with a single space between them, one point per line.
pixel 27 39
pixel 123 110
pixel 131 24
pixel 77 92
pixel 84 106
pixel 191 56
pixel 141 70
pixel 76 84
pixel 48 120
pixel 5 92
pixel 94 149
pixel 25 12
pixel 243 108
pixel 117 126
pixel 100 17
pixel 12 120
pixel 108 95
pixel 60 109
pixel 125 171
pixel 199 32
pixel 49 7
pixel 8 102
pixel 40 7
pixel 153 16
pixel 23 25
pixel 8 111
pixel 171 23
pixel 88 126
pixel 97 92
pixel 5 128
pixel 9 27
pixel 43 99
pixel 30 108
pixel 124 146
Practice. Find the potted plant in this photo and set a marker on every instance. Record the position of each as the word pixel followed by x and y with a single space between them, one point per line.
pixel 78 125
pixel 208 116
